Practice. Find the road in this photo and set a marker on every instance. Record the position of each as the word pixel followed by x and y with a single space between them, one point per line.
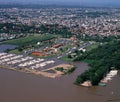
pixel 72 50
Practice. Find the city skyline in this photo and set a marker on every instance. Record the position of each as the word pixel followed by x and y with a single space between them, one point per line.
pixel 105 3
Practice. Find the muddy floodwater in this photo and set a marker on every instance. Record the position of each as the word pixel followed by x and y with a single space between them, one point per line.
pixel 22 87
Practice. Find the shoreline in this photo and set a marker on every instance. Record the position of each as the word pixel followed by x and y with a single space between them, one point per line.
pixel 104 81
pixel 42 73
pixel 108 77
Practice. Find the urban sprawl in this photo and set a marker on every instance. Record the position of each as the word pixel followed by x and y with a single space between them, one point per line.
pixel 90 21
pixel 49 41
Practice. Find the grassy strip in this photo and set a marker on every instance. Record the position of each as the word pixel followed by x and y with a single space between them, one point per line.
pixel 93 46
pixel 29 40
pixel 65 58
pixel 15 51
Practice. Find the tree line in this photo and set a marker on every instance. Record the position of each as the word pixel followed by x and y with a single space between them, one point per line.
pixel 101 60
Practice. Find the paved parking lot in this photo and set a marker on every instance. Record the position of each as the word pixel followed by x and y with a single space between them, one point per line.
pixel 21 61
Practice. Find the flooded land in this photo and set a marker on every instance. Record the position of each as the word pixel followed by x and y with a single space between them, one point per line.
pixel 21 87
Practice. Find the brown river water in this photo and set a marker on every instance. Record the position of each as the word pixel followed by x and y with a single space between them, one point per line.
pixel 22 87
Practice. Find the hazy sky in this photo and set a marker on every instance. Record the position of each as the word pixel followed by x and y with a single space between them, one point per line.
pixel 69 2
